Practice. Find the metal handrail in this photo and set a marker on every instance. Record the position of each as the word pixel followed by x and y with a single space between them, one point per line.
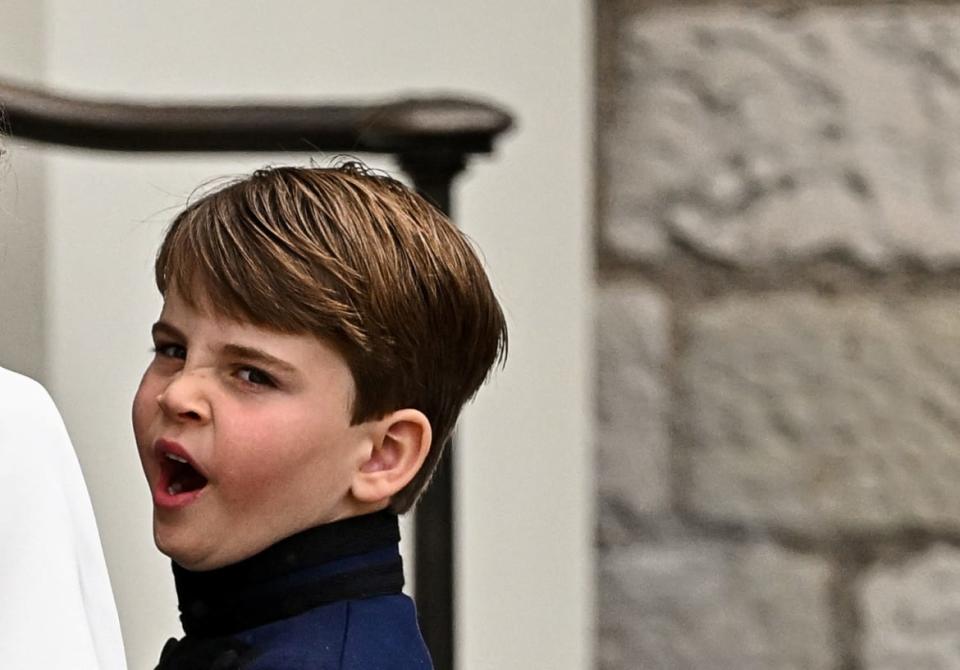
pixel 459 125
pixel 431 138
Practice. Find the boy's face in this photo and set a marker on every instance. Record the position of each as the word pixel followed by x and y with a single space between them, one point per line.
pixel 262 420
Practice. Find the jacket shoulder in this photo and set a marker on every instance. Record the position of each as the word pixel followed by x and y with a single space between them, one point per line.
pixel 383 634
pixel 378 633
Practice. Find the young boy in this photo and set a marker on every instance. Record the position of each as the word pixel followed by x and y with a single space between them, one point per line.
pixel 321 330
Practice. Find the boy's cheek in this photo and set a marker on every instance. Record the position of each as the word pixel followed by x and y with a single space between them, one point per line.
pixel 143 410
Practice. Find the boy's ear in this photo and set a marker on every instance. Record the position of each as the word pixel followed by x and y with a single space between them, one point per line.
pixel 400 447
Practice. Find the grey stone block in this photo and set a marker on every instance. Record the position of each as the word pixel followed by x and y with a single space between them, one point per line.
pixel 821 416
pixel 633 336
pixel 714 606
pixel 911 613
pixel 752 138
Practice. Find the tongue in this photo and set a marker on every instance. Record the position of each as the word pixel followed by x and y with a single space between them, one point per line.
pixel 185 478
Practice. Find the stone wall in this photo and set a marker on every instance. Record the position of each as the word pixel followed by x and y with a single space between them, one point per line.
pixel 778 335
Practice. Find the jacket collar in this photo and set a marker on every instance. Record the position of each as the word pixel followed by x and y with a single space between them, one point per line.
pixel 348 559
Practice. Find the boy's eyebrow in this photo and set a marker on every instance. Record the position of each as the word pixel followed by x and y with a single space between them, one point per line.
pixel 164 328
pixel 258 355
pixel 238 350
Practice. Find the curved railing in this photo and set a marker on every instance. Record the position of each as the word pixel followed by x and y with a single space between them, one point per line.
pixel 394 126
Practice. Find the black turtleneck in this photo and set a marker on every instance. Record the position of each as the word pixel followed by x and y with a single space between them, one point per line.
pixel 336 561
pixel 346 560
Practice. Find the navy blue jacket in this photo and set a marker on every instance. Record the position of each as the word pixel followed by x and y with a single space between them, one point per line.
pixel 328 598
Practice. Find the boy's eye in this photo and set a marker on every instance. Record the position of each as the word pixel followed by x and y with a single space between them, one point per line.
pixel 255 376
pixel 167 350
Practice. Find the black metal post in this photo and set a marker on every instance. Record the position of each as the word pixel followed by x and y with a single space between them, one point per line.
pixel 433 173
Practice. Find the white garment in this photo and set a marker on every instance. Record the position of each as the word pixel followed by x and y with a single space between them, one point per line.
pixel 56 605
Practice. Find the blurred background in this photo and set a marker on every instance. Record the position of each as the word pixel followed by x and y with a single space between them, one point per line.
pixel 79 229
pixel 778 335
pixel 726 236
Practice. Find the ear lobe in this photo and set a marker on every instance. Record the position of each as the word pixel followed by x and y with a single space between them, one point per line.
pixel 403 441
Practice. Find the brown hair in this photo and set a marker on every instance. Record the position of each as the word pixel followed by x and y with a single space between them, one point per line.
pixel 357 258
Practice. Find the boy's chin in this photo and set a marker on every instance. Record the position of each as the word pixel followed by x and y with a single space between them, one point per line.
pixel 191 562
pixel 181 558
pixel 196 556
pixel 192 558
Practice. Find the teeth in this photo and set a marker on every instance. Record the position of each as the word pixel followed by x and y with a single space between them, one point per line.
pixel 174 457
pixel 174 488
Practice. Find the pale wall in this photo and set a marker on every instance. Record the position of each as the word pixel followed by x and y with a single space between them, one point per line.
pixel 526 572
pixel 22 188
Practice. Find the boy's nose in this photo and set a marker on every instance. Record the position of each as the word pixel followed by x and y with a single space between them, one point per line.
pixel 183 399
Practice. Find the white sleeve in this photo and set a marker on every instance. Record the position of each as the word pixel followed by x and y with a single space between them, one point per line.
pixel 56 605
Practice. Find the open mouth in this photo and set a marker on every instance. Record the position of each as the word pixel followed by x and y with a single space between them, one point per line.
pixel 179 476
